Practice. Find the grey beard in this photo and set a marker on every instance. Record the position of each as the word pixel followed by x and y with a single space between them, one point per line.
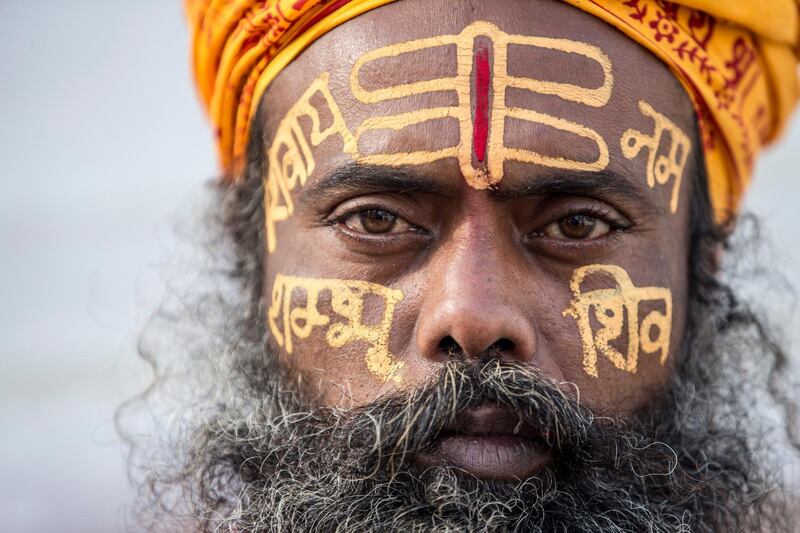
pixel 280 464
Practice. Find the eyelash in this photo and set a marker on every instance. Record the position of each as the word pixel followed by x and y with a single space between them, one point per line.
pixel 339 220
pixel 616 222
pixel 606 213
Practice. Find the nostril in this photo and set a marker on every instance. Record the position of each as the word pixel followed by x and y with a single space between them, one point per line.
pixel 448 345
pixel 503 346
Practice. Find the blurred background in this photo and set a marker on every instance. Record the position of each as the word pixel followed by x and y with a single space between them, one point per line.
pixel 102 145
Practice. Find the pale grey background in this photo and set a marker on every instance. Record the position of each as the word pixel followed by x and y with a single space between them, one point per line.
pixel 102 142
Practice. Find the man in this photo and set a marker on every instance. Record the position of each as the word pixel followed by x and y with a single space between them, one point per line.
pixel 476 253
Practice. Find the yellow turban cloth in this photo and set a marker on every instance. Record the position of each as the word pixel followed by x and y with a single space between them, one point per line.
pixel 736 58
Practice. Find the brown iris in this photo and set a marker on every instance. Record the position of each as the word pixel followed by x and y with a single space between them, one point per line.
pixel 377 221
pixel 577 226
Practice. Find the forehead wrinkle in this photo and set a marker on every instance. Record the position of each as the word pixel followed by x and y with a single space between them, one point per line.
pixel 356 177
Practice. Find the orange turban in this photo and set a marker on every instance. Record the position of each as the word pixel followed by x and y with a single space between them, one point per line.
pixel 736 58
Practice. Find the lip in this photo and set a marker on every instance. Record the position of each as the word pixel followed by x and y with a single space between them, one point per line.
pixel 489 442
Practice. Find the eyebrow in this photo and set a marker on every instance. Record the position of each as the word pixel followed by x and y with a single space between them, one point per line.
pixel 603 182
pixel 357 177
pixel 361 178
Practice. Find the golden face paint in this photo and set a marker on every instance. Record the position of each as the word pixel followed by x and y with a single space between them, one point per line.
pixel 481 149
pixel 481 76
pixel 291 160
pixel 609 308
pixel 346 301
pixel 660 169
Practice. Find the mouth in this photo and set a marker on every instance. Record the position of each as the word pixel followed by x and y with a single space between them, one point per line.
pixel 489 442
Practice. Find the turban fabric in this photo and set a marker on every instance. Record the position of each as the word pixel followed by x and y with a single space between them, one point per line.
pixel 737 60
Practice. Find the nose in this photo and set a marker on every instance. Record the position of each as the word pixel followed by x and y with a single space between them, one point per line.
pixel 473 305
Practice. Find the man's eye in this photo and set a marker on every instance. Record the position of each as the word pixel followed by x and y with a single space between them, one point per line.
pixel 577 227
pixel 375 221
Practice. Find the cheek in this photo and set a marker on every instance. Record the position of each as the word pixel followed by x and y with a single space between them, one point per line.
pixel 618 340
pixel 336 332
pixel 335 377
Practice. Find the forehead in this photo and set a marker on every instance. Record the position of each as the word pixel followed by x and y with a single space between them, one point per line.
pixel 412 57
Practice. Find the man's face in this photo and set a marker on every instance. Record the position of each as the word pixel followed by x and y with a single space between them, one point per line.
pixel 478 179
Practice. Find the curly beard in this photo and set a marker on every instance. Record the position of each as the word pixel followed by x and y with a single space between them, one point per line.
pixel 266 459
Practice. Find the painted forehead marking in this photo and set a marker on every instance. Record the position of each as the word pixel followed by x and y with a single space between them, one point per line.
pixel 669 165
pixel 482 76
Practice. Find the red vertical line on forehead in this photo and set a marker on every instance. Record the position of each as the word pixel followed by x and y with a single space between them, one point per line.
pixel 480 120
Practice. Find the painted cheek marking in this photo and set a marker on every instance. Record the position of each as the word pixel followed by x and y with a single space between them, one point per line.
pixel 610 308
pixel 343 325
pixel 483 80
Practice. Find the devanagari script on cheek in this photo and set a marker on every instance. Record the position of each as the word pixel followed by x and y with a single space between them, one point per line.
pixel 601 315
pixel 294 313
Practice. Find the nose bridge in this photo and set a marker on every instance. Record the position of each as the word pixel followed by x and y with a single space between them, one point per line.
pixel 472 301
pixel 476 265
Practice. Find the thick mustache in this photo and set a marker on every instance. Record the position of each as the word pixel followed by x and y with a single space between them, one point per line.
pixel 401 425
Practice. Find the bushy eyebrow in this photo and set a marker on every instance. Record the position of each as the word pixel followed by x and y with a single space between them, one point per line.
pixel 356 177
pixel 366 179
pixel 602 183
